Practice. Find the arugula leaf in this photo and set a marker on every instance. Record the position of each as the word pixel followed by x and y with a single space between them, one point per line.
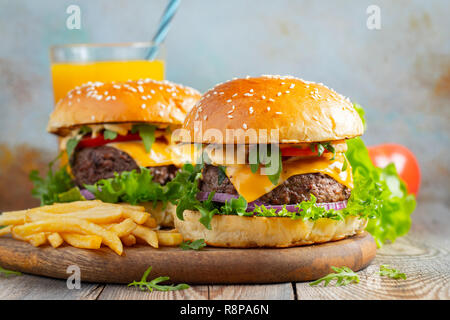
pixel 222 174
pixel 385 270
pixel 73 142
pixel 361 113
pixel 8 273
pixel 345 165
pixel 343 277
pixel 154 284
pixel 52 187
pixel 109 135
pixel 147 134
pixel 193 245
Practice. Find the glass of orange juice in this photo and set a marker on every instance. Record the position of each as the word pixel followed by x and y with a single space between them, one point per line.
pixel 75 64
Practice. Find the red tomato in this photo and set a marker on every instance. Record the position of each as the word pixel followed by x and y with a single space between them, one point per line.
pixel 99 140
pixel 404 160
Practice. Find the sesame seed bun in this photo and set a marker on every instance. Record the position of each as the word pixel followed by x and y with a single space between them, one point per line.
pixel 160 102
pixel 302 112
pixel 250 232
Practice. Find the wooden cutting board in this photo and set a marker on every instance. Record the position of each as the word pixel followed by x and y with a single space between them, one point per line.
pixel 208 266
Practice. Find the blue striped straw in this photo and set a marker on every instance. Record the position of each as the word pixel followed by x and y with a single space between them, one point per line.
pixel 163 29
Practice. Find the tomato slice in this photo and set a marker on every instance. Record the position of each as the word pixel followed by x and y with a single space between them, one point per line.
pixel 297 152
pixel 404 160
pixel 89 142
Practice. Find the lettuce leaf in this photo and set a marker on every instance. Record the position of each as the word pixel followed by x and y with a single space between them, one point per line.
pixel 134 187
pixel 379 194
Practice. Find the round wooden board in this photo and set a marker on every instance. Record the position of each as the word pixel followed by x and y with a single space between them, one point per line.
pixel 207 266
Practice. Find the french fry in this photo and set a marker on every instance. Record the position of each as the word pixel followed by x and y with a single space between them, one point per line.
pixel 5 230
pixel 37 239
pixel 150 223
pixel 55 239
pixel 12 218
pixel 169 238
pixel 99 215
pixel 138 216
pixel 124 228
pixel 70 225
pixel 69 206
pixel 129 240
pixel 132 207
pixel 146 234
pixel 82 241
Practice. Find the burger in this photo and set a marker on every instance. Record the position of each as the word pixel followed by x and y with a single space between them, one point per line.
pixel 273 169
pixel 117 139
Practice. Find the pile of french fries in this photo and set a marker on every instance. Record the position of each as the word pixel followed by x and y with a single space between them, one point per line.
pixel 87 225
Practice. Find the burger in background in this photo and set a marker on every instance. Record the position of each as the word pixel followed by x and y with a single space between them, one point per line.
pixel 117 138
pixel 311 181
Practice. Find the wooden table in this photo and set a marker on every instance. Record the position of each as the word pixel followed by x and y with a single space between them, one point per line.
pixel 423 255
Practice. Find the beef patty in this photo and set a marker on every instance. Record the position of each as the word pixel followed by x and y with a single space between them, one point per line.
pixel 92 164
pixel 294 190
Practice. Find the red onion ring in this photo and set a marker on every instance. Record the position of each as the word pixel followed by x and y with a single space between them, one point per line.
pixel 222 197
pixel 87 194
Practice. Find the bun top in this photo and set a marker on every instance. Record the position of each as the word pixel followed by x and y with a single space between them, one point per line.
pixel 301 111
pixel 146 100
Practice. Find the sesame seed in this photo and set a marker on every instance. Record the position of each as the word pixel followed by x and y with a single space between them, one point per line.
pixel 263 97
pixel 108 98
pixel 251 110
pixel 278 112
pixel 113 97
pixel 205 117
pixel 174 94
pixel 152 91
pixel 251 90
pixel 268 108
pixel 161 113
pixel 279 94
pixel 140 89
pixel 143 106
pixel 287 91
pixel 221 92
pixel 230 116
pixel 292 86
pixel 92 117
pixel 244 126
pixel 105 93
pixel 229 100
pixel 271 100
pixel 234 95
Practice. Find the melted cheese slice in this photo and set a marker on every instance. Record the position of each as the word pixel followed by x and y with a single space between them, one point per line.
pixel 161 153
pixel 254 185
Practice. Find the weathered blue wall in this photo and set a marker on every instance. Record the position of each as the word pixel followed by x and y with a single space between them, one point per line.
pixel 400 74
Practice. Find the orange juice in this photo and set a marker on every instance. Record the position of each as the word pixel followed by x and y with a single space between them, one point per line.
pixel 66 76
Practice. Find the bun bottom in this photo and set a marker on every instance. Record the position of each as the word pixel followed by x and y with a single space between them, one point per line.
pixel 232 231
pixel 163 216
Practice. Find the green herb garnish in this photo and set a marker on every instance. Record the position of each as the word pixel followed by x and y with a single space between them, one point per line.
pixel 222 174
pixel 8 273
pixel 193 245
pixel 73 142
pixel 109 135
pixel 154 284
pixel 147 134
pixel 385 270
pixel 343 277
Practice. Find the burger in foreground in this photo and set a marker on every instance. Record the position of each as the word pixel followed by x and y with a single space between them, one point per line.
pixel 117 137
pixel 275 172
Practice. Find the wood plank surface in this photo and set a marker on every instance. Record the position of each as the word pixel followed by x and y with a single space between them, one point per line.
pixel 423 255
pixel 208 266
